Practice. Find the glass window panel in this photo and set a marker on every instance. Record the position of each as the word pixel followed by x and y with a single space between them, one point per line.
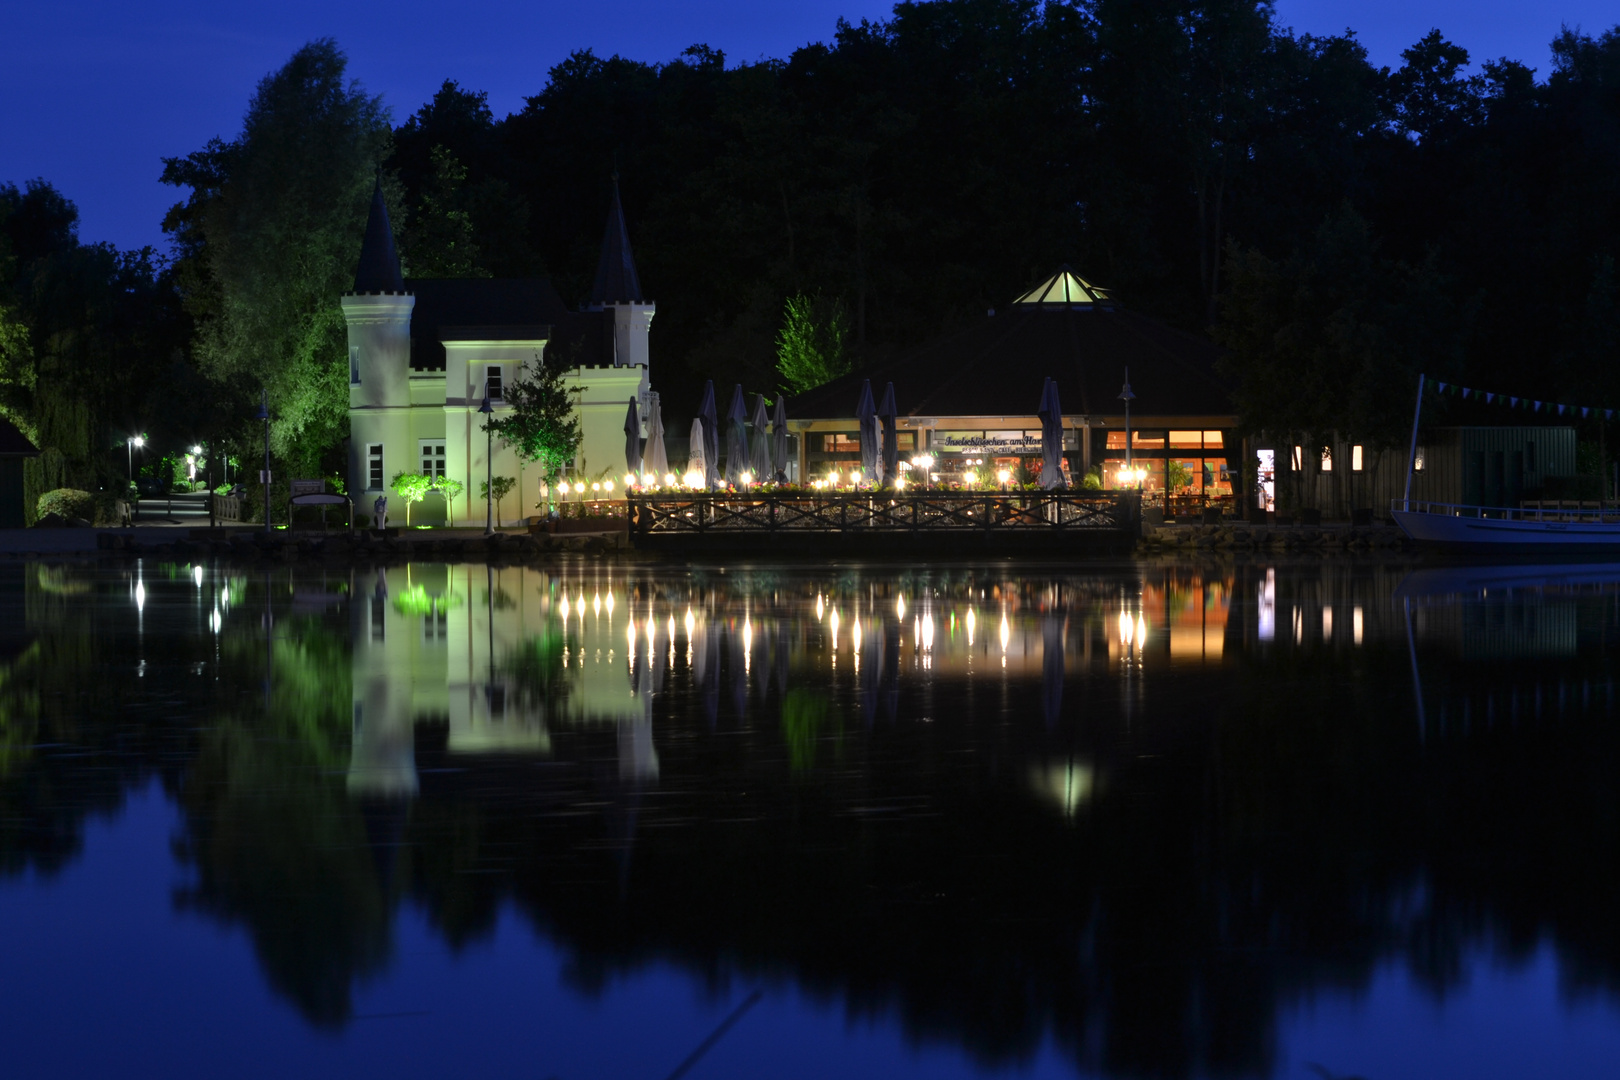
pixel 1212 440
pixel 1355 459
pixel 1186 440
pixel 1148 440
pixel 1116 440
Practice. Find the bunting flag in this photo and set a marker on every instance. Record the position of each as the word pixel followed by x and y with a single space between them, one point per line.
pixel 1586 412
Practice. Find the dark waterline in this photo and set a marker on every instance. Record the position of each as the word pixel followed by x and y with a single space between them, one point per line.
pixel 1160 818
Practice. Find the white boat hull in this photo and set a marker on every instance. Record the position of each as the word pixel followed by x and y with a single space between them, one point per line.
pixel 1461 530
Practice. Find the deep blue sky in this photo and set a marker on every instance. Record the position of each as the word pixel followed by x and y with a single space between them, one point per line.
pixel 94 92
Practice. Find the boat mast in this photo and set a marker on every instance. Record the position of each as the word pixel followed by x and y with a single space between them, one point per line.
pixel 1411 456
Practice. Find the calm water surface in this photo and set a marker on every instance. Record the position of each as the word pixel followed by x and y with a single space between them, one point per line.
pixel 1269 819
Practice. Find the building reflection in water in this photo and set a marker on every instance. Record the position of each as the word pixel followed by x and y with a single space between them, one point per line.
pixel 1132 807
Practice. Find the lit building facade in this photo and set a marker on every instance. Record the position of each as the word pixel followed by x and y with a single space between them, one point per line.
pixel 424 354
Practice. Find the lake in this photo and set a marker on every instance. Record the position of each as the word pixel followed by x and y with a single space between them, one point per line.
pixel 1339 817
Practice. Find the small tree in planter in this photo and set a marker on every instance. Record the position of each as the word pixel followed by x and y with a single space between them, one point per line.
pixel 499 487
pixel 451 489
pixel 413 488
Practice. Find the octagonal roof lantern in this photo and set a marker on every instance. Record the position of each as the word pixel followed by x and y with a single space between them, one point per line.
pixel 1066 290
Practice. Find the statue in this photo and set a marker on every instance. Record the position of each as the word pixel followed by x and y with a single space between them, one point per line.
pixel 379 511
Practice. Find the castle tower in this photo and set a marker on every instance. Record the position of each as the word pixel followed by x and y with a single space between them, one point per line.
pixel 378 314
pixel 618 289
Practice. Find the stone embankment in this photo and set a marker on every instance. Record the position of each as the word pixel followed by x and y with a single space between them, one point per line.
pixel 1245 537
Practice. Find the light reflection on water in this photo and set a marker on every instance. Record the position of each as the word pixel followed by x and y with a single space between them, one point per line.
pixel 1167 817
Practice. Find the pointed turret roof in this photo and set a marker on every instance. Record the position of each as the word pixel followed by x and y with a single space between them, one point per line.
pixel 616 280
pixel 1067 289
pixel 378 270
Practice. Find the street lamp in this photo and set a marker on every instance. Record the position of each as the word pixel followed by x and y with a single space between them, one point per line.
pixel 264 477
pixel 489 479
pixel 1127 397
pixel 130 444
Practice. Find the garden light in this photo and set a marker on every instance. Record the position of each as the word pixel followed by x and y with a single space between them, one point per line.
pixel 594 486
pixel 970 478
pixel 669 479
pixel 608 486
pixel 1002 476
pixel 746 478
pixel 832 479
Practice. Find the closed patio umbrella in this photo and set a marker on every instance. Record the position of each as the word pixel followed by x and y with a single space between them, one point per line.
pixel 736 438
pixel 891 436
pixel 696 462
pixel 779 434
pixel 657 455
pixel 759 457
pixel 866 416
pixel 711 436
pixel 1051 414
pixel 632 439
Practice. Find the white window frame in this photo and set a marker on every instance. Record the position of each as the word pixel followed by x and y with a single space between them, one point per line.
pixel 354 365
pixel 429 460
pixel 494 374
pixel 374 467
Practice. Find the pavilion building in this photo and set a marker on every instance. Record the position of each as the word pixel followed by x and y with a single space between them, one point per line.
pixel 969 400
pixel 426 353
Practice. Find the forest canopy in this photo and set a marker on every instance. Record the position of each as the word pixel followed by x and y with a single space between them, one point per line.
pixel 1212 167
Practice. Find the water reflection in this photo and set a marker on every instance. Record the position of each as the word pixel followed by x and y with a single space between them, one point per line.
pixel 1139 811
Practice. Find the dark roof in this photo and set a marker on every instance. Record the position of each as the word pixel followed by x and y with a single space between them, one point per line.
pixel 503 308
pixel 616 280
pixel 378 269
pixel 14 443
pixel 997 368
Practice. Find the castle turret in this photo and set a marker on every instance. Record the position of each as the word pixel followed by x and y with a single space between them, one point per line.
pixel 618 289
pixel 378 313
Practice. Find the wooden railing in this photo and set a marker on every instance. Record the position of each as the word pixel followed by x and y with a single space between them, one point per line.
pixel 882 512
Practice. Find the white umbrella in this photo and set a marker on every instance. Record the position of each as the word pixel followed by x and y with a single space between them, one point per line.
pixel 695 461
pixel 657 457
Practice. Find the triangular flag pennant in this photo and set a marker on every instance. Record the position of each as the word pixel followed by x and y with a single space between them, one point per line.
pixel 1466 392
pixel 1584 411
pixel 1442 387
pixel 1489 398
pixel 1513 403
pixel 1560 410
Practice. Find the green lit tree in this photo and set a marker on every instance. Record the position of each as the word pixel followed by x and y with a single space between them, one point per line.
pixel 451 489
pixel 810 347
pixel 499 487
pixel 541 424
pixel 268 239
pixel 413 487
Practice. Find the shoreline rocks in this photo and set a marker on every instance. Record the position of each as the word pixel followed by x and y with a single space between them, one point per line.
pixel 1241 536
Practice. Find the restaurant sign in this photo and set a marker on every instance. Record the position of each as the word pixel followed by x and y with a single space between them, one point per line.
pixel 996 443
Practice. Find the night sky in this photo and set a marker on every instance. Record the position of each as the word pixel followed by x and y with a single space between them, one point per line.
pixel 94 92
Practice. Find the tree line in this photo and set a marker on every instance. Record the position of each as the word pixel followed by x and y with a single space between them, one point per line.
pixel 1336 225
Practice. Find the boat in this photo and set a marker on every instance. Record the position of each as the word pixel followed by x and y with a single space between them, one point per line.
pixel 1551 525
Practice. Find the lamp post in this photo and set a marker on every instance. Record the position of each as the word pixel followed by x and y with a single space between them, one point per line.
pixel 489 479
pixel 264 477
pixel 1127 397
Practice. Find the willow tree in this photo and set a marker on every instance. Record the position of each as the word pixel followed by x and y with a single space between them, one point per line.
pixel 269 237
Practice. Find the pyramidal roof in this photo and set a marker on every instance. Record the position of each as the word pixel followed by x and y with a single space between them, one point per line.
pixel 1067 289
pixel 378 270
pixel 616 280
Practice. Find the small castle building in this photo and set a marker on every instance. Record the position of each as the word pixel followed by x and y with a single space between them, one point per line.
pixel 426 353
